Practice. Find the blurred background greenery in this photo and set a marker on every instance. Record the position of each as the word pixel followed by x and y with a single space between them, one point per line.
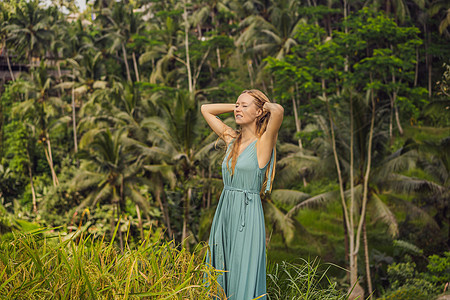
pixel 100 130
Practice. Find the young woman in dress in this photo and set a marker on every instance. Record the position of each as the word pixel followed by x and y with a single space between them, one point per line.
pixel 237 238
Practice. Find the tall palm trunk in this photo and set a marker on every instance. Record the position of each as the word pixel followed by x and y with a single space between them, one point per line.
pixel 136 70
pixel 125 59
pixel 367 261
pixel 163 206
pixel 186 45
pixel 187 202
pixel 74 122
pixel 297 121
pixel 208 199
pixel 119 210
pixel 141 228
pixel 394 110
pixel 219 63
pixel 428 58
pixel 9 63
pixel 49 156
pixel 33 191
pixel 416 73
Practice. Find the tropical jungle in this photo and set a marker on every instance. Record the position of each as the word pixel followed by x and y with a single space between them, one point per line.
pixel 109 176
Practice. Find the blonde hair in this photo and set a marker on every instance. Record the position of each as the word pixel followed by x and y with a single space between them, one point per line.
pixel 259 98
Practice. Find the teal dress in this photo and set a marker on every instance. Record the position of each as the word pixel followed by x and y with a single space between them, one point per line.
pixel 237 239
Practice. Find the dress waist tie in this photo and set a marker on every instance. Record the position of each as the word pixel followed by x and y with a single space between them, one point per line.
pixel 245 203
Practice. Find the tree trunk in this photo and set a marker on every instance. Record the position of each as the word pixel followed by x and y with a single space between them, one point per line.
pixel 416 75
pixel 354 253
pixel 30 70
pixel 49 156
pixel 346 242
pixel 391 119
pixel 297 122
pixel 367 261
pixel 9 63
pixel 208 199
pixel 219 64
pixel 141 228
pixel 136 70
pixel 352 180
pixel 74 122
pixel 162 205
pixel 184 237
pixel 119 230
pixel 119 211
pixel 397 118
pixel 388 7
pixel 427 58
pixel 394 108
pixel 353 262
pixel 250 72
pixel 186 43
pixel 33 191
pixel 124 51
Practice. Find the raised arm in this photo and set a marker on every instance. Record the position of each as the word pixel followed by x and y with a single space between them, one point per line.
pixel 269 137
pixel 210 111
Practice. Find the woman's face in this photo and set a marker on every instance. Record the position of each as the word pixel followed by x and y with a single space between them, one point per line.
pixel 245 110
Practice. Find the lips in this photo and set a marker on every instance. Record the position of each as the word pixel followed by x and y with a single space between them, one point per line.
pixel 238 116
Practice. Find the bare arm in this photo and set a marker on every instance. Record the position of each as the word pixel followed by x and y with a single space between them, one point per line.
pixel 269 137
pixel 210 111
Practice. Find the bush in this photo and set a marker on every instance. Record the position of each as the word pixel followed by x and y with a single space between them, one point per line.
pixel 439 269
pixel 407 283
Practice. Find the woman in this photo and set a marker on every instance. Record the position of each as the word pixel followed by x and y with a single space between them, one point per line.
pixel 237 238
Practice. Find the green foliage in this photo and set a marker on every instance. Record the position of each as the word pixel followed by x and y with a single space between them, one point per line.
pixel 407 283
pixel 304 280
pixel 439 269
pixel 46 265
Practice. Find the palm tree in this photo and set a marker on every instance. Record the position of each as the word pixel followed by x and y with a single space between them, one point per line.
pixel 109 171
pixel 127 110
pixel 39 110
pixel 162 52
pixel 175 135
pixel 121 23
pixel 441 7
pixel 4 21
pixel 28 30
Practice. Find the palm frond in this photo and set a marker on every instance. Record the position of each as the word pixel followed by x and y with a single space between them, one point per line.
pixel 404 184
pixel 384 214
pixel 288 196
pixel 315 201
pixel 282 221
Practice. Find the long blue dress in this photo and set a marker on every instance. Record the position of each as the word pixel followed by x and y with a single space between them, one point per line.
pixel 237 238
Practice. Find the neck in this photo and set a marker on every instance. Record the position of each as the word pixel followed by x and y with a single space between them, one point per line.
pixel 248 132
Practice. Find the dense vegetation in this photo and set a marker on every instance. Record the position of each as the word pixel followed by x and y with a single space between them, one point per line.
pixel 101 136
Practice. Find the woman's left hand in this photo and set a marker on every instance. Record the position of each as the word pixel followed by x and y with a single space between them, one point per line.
pixel 271 107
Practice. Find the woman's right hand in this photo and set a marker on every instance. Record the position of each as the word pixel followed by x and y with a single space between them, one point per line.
pixel 210 112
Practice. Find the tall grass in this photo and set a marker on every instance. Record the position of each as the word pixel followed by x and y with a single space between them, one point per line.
pixel 306 280
pixel 35 266
pixel 39 265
